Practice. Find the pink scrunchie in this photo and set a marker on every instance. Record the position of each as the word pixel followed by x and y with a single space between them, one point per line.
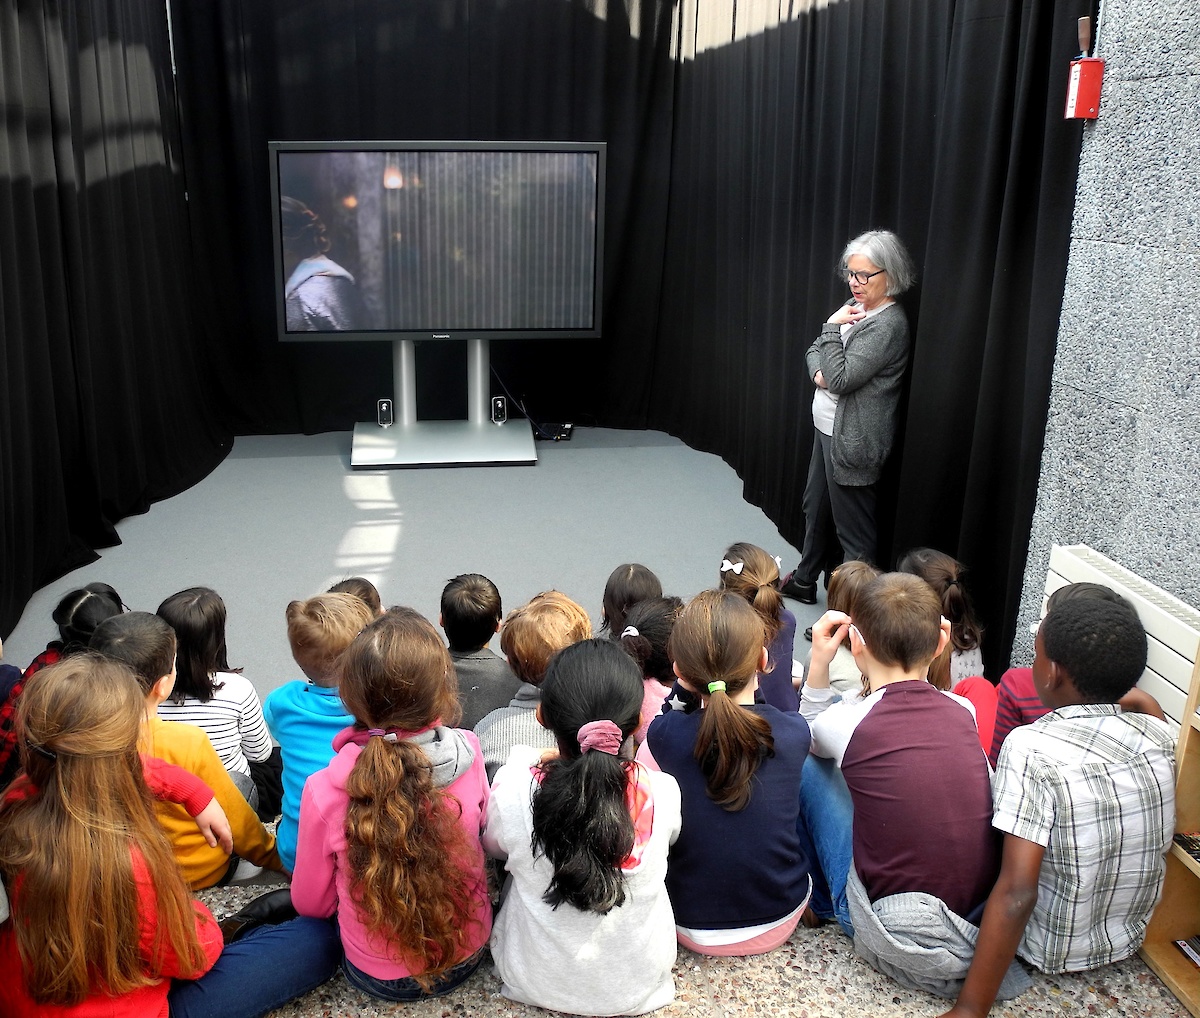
pixel 602 735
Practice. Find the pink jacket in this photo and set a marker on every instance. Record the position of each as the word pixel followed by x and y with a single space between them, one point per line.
pixel 321 881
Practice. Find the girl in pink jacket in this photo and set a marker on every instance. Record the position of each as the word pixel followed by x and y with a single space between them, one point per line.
pixel 389 831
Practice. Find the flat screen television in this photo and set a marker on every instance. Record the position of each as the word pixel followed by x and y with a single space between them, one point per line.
pixel 437 240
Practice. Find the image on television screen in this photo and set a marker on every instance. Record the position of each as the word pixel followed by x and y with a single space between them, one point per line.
pixel 452 241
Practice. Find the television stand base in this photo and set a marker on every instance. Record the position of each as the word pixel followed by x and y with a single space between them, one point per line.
pixel 442 444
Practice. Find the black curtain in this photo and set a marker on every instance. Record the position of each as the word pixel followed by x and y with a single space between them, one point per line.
pixel 103 391
pixel 741 159
pixel 941 121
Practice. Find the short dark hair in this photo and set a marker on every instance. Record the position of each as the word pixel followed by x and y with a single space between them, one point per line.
pixel 1100 644
pixel 141 641
pixel 80 611
pixel 627 585
pixel 1096 591
pixel 471 609
pixel 899 618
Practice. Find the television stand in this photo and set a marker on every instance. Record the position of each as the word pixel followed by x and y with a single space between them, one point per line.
pixel 412 443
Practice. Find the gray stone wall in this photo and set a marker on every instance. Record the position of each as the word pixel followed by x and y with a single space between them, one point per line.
pixel 1121 467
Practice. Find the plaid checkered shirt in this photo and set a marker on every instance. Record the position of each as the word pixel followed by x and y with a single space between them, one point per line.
pixel 1096 788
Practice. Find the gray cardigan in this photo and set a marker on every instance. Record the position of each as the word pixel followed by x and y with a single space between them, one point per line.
pixel 866 375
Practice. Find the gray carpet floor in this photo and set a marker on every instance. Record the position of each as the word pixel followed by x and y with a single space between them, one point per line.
pixel 284 517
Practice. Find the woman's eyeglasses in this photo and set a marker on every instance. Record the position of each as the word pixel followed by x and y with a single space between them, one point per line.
pixel 862 278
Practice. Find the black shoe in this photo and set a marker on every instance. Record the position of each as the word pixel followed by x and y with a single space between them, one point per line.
pixel 805 593
pixel 808 634
pixel 268 909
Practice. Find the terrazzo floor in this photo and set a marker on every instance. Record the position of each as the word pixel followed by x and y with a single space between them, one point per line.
pixel 816 974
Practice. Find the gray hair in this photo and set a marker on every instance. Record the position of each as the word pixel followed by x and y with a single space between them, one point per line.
pixel 885 249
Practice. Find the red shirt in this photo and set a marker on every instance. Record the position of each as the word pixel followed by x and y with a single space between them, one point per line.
pixel 15 1001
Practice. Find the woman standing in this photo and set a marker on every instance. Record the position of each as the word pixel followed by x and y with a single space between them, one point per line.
pixel 857 364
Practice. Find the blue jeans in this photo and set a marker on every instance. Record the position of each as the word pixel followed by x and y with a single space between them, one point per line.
pixel 825 825
pixel 264 970
pixel 407 988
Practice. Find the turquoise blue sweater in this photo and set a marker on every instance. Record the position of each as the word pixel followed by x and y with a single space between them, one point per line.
pixel 303 719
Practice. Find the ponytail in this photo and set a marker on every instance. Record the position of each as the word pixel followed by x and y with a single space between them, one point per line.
pixel 408 856
pixel 730 745
pixel 717 645
pixel 581 823
pixel 591 701
pixel 749 571
pixel 942 572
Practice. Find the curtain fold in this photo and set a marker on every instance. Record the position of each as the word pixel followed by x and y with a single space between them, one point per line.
pixel 104 387
pixel 941 121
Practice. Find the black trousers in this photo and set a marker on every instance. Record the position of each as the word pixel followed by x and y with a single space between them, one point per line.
pixel 831 509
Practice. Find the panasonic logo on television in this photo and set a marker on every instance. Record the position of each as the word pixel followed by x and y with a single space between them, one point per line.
pixel 441 335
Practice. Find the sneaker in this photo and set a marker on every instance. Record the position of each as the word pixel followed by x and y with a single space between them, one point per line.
pixel 805 593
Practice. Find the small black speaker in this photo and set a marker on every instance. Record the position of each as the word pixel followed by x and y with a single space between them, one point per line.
pixel 386 417
pixel 499 410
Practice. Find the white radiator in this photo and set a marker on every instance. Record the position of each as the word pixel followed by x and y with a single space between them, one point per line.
pixel 1173 627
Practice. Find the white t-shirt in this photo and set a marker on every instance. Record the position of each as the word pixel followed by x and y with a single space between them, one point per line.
pixel 564 959
pixel 232 719
pixel 824 405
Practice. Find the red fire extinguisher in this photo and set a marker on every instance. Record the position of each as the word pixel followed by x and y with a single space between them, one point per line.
pixel 1087 73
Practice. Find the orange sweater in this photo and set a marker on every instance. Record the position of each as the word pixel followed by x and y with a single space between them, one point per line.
pixel 188 747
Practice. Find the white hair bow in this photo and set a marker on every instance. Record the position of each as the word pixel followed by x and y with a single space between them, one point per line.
pixel 630 631
pixel 726 565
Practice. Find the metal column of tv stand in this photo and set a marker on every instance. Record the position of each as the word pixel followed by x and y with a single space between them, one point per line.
pixel 413 443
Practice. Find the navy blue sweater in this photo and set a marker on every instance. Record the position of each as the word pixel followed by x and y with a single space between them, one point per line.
pixel 733 870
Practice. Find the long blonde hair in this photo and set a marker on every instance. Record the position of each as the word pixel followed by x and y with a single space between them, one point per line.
pixel 67 848
pixel 409 857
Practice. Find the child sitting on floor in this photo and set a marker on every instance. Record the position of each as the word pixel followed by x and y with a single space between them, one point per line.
pixel 146 645
pixel 471 613
pixel 305 716
pixel 845 583
pixel 752 574
pixel 389 831
pixel 1085 799
pixel 531 636
pixel 962 657
pixel 911 762
pixel 102 921
pixel 208 693
pixel 1017 701
pixel 77 615
pixel 738 876
pixel 586 926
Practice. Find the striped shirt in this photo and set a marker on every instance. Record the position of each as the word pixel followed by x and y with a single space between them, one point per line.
pixel 514 725
pixel 1017 704
pixel 1096 788
pixel 232 719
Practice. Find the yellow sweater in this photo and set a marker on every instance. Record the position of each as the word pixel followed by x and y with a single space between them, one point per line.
pixel 188 747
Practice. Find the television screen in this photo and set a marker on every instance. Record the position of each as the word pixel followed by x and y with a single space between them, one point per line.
pixel 437 240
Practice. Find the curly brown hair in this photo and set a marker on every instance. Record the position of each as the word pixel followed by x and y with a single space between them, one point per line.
pixel 411 863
